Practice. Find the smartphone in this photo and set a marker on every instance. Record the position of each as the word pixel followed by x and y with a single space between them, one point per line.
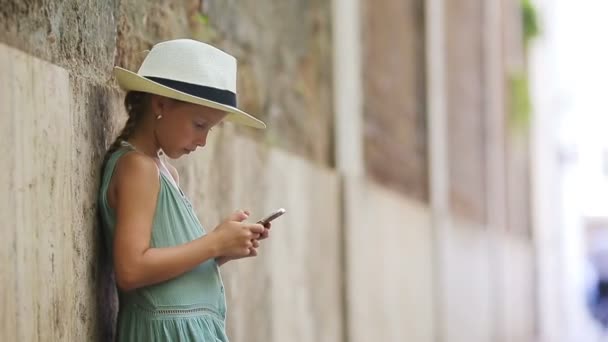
pixel 272 216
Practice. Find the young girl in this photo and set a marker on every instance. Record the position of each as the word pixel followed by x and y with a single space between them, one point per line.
pixel 166 265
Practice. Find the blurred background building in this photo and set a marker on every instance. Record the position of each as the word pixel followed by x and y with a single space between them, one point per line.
pixel 570 168
pixel 443 165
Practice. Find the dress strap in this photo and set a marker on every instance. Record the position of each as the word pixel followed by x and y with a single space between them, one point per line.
pixel 161 165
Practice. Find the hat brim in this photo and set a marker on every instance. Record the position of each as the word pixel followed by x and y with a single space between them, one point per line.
pixel 129 80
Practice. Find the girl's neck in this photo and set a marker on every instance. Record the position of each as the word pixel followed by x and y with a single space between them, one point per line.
pixel 145 144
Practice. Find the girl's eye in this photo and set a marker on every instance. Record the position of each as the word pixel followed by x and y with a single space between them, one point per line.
pixel 200 125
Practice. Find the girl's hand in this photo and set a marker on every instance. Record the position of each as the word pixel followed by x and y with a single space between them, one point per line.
pixel 253 251
pixel 266 232
pixel 255 243
pixel 237 239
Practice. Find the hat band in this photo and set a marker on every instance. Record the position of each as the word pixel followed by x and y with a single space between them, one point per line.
pixel 222 96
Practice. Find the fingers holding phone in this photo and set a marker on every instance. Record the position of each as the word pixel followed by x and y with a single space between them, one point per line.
pixel 236 238
pixel 235 248
pixel 266 232
pixel 266 221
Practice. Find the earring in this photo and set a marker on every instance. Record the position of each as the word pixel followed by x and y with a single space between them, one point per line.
pixel 159 116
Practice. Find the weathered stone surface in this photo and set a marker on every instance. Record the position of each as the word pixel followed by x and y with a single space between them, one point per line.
pixel 519 190
pixel 55 134
pixel 141 24
pixel 37 203
pixel 465 108
pixel 468 294
pixel 518 142
pixel 94 124
pixel 389 266
pixel 292 290
pixel 77 35
pixel 395 128
pixel 53 258
pixel 285 76
pixel 486 284
pixel 283 49
pixel 57 121
pixel 519 295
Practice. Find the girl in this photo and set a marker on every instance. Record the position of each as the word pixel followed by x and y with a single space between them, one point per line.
pixel 166 266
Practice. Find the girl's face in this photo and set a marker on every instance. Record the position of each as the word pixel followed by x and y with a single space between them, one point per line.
pixel 185 126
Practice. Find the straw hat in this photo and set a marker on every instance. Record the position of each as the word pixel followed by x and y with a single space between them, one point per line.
pixel 190 71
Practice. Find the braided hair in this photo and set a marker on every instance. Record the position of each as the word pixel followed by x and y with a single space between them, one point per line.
pixel 136 104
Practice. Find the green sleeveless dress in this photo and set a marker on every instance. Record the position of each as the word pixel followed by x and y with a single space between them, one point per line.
pixel 191 307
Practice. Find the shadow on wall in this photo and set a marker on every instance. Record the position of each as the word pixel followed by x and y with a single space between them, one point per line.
pixel 107 298
pixel 101 116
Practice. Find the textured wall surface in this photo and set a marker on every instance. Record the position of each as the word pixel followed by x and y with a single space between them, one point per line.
pixel 52 270
pixel 395 128
pixel 37 242
pixel 284 77
pixel 76 35
pixel 468 271
pixel 388 248
pixel 293 290
pixel 284 50
pixel 465 108
pixel 354 259
pixel 518 287
pixel 487 287
pixel 51 257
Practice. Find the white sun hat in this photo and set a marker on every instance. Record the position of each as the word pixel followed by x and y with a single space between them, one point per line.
pixel 190 71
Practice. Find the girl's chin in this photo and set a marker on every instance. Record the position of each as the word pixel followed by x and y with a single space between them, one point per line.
pixel 178 153
pixel 173 154
pixel 185 151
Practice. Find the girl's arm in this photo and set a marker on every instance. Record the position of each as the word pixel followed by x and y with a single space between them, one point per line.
pixel 136 263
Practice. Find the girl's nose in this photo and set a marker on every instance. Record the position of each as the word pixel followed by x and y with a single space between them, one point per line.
pixel 202 141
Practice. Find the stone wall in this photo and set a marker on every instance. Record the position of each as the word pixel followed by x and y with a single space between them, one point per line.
pixel 390 267
pixel 394 125
pixel 355 259
pixel 487 286
pixel 283 49
pixel 55 274
pixel 51 264
pixel 465 108
pixel 293 290
pixel 283 78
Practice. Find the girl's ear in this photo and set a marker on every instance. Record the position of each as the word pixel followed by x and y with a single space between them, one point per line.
pixel 158 104
pixel 155 105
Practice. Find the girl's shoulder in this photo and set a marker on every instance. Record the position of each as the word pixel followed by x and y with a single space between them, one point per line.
pixel 134 164
pixel 135 178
